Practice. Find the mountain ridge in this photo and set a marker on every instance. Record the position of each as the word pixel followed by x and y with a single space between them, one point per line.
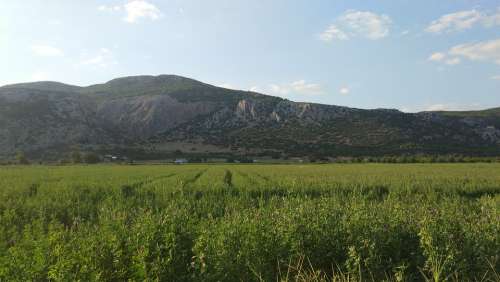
pixel 151 115
pixel 31 85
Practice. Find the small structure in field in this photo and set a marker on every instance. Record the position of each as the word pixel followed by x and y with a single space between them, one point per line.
pixel 181 161
pixel 111 158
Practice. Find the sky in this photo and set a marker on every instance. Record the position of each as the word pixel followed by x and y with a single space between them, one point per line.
pixel 404 54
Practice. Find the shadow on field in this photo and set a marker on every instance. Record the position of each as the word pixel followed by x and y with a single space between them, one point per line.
pixel 371 193
pixel 129 190
pixel 480 192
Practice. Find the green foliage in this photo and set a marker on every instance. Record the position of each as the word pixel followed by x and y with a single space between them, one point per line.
pixel 356 222
pixel 76 157
pixel 21 158
pixel 91 158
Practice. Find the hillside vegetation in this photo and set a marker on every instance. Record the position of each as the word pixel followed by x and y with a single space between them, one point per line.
pixel 151 115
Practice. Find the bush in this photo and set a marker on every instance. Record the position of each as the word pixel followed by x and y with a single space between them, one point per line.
pixel 91 158
pixel 21 158
pixel 76 157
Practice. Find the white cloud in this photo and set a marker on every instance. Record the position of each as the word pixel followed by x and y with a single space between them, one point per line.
pixel 299 87
pixel 437 57
pixel 104 8
pixel 437 107
pixel 47 51
pixel 134 10
pixel 367 24
pixel 333 33
pixel 138 9
pixel 277 89
pixel 453 61
pixel 227 85
pixel 480 51
pixel 344 91
pixel 486 51
pixel 103 59
pixel 354 23
pixel 455 22
pixel 97 60
pixel 255 89
pixel 453 107
pixel 463 20
pixel 496 77
pixel 443 107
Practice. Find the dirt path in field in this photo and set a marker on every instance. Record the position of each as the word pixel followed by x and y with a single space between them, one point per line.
pixel 251 180
pixel 142 183
pixel 265 178
pixel 228 178
pixel 194 178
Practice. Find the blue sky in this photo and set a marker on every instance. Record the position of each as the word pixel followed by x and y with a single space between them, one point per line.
pixel 409 55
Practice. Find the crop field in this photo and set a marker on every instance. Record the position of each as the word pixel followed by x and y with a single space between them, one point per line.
pixel 351 222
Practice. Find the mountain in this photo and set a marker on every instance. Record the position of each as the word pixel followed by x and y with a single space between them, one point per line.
pixel 154 116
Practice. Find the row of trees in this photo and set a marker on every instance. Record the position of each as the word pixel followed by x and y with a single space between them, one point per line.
pixel 89 158
pixel 407 159
pixel 76 157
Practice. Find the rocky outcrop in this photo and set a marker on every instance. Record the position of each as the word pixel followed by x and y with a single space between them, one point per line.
pixel 246 110
pixel 145 116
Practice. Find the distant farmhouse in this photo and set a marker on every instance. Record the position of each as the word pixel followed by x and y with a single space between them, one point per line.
pixel 181 161
pixel 114 158
pixel 110 158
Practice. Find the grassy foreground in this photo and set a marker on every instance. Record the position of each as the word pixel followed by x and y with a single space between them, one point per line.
pixel 356 222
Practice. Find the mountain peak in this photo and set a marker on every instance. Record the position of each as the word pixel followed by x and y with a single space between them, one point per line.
pixel 52 86
pixel 145 84
pixel 150 79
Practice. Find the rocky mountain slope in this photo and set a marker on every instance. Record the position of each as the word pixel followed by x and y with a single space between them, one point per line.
pixel 160 114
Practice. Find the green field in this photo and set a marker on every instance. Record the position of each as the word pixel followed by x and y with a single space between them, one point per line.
pixel 367 222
